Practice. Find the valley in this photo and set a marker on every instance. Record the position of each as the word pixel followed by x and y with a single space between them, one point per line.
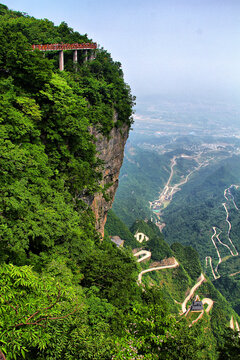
pixel 166 196
pixel 168 191
pixel 187 183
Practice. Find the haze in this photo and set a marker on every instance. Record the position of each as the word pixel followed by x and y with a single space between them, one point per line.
pixel 168 49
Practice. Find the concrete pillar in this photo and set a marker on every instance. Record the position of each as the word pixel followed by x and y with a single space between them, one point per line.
pixel 91 55
pixel 61 61
pixel 85 56
pixel 75 59
pixel 75 56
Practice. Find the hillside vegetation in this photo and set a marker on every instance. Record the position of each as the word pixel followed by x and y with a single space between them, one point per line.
pixel 64 293
pixel 174 284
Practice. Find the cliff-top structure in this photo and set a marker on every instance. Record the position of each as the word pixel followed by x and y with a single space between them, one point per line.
pixel 86 47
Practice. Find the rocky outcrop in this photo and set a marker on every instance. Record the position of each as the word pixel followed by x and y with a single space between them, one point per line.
pixel 111 151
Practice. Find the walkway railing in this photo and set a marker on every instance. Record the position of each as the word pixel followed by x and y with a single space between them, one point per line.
pixel 58 47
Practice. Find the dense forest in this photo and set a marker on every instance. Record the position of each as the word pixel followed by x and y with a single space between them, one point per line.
pixel 65 293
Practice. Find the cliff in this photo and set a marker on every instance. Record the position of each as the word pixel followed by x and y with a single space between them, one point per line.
pixel 111 152
pixel 49 121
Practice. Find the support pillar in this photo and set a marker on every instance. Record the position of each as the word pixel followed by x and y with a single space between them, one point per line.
pixel 75 56
pixel 75 59
pixel 61 61
pixel 85 56
pixel 91 57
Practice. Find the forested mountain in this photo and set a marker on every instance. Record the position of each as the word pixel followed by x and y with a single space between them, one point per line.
pixel 203 211
pixel 65 292
pixel 202 197
pixel 207 224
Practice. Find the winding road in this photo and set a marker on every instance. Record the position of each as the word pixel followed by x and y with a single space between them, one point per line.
pixel 176 187
pixel 234 327
pixel 209 259
pixel 231 248
pixel 175 264
pixel 209 302
pixel 198 318
pixel 218 253
pixel 220 242
pixel 193 289
pixel 229 229
pixel 204 301
pixel 146 255
pixel 228 191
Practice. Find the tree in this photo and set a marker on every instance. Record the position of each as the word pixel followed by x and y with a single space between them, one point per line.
pixel 28 305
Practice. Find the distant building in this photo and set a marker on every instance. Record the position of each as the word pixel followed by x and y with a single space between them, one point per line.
pixel 118 241
pixel 196 306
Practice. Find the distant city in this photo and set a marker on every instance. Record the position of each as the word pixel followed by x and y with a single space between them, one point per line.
pixel 188 119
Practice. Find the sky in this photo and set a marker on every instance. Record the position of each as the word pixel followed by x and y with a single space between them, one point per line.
pixel 169 49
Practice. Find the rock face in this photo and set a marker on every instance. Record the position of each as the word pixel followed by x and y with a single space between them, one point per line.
pixel 111 151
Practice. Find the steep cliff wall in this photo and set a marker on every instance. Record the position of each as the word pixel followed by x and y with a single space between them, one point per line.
pixel 111 151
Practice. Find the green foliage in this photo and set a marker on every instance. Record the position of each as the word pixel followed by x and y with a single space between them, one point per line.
pixel 152 333
pixel 230 288
pixel 174 284
pixel 230 265
pixel 114 272
pixel 115 91
pixel 28 304
pixel 189 259
pixel 159 248
pixel 84 336
pixel 114 226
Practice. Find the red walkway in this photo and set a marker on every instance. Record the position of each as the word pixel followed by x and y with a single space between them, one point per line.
pixel 59 47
